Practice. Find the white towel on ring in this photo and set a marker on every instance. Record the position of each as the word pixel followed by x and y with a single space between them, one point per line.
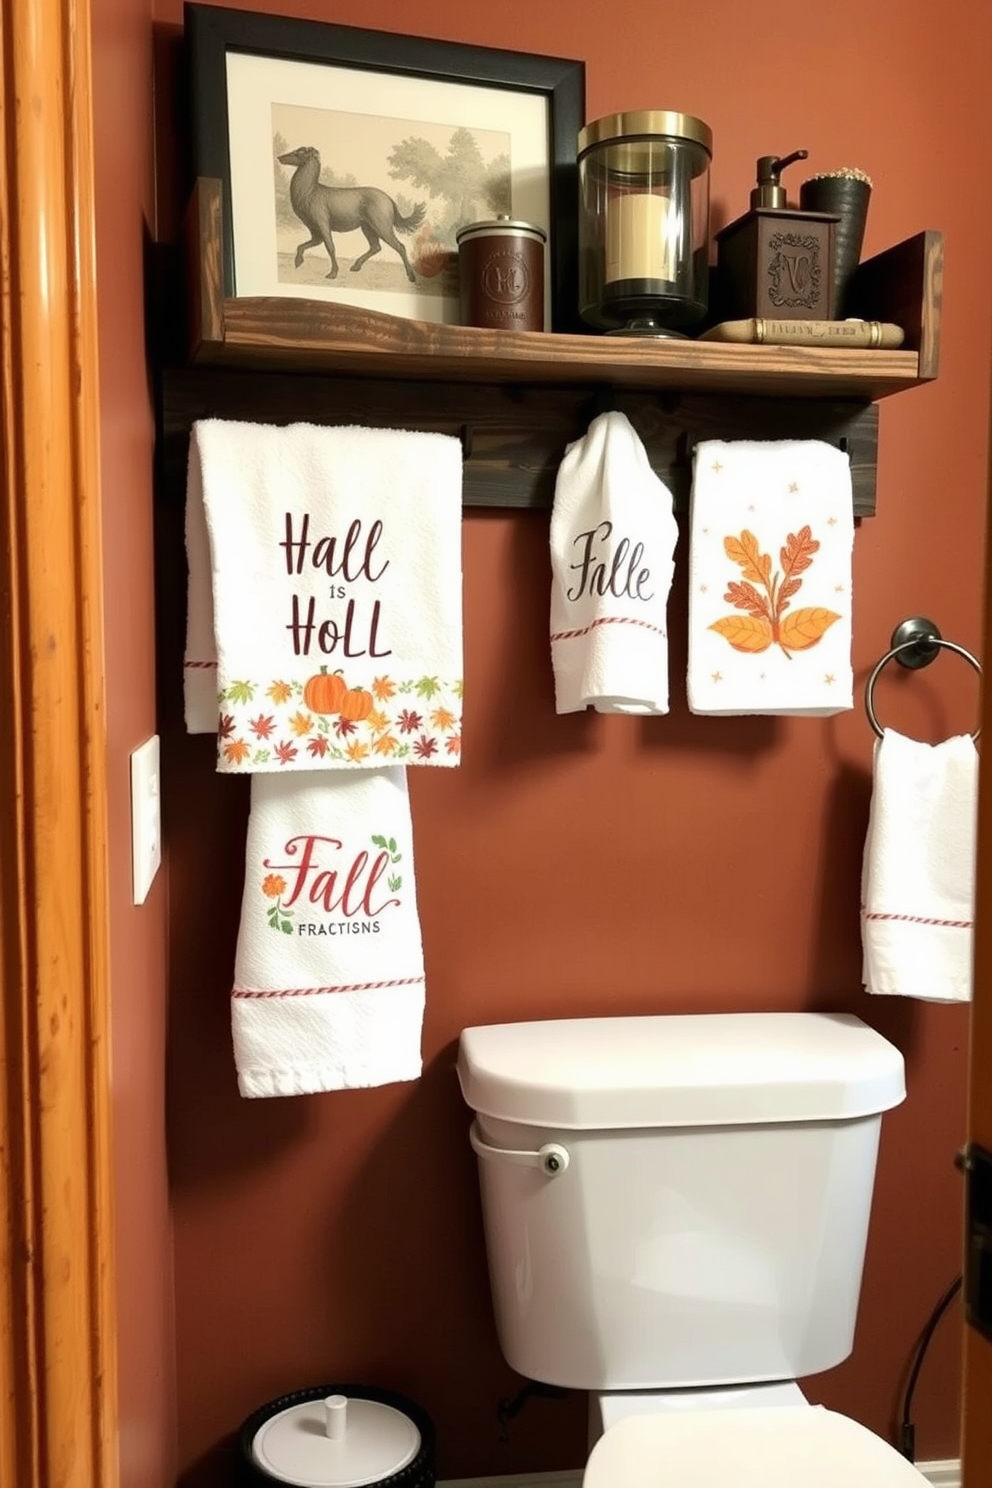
pixel 612 540
pixel 918 871
pixel 329 973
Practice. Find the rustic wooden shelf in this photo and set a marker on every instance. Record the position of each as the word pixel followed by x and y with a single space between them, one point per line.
pixel 311 336
pixel 518 397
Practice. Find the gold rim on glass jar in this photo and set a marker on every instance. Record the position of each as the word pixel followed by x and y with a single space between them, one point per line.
pixel 644 222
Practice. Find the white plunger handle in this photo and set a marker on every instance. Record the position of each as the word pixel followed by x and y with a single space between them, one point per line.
pixel 336 1416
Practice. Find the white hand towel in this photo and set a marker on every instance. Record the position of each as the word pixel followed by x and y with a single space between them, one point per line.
pixel 329 975
pixel 200 661
pixel 335 559
pixel 918 876
pixel 613 537
pixel 771 535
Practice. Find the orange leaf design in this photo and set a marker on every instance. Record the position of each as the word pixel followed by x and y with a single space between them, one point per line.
pixel 745 552
pixel 766 622
pixel 803 628
pixel 797 555
pixel 236 751
pixel 745 632
pixel 443 719
pixel 745 597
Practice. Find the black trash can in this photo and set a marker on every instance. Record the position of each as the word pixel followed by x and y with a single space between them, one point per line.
pixel 337 1436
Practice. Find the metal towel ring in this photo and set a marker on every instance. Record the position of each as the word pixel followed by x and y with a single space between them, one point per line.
pixel 914 644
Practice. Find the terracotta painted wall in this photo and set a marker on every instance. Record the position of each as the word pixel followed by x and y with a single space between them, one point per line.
pixel 122 87
pixel 594 865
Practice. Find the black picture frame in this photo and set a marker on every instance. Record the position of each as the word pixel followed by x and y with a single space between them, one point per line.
pixel 211 32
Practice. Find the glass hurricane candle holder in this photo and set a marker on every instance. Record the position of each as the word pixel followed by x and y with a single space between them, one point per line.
pixel 644 211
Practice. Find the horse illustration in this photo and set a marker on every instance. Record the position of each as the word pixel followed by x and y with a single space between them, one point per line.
pixel 330 209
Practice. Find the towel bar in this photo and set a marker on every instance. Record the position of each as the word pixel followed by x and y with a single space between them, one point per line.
pixel 513 436
pixel 914 644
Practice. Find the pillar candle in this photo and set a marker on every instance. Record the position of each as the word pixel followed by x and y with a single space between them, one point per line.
pixel 637 241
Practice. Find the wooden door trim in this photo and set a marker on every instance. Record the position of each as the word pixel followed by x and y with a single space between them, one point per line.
pixel 58 1388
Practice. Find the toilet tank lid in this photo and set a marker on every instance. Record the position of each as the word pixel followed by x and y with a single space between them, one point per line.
pixel 706 1069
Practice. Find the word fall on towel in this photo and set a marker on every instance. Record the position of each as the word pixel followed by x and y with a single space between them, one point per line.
pixel 625 575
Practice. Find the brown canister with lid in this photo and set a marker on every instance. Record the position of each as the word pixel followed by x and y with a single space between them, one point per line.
pixel 501 274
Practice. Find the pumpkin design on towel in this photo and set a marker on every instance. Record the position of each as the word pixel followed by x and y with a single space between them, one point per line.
pixel 764 597
pixel 324 691
pixel 327 693
pixel 414 720
pixel 356 704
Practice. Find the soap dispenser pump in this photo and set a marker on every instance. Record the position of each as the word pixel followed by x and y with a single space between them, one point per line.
pixel 769 191
pixel 775 263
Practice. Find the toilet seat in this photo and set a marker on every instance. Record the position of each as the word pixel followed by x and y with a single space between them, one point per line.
pixel 758 1448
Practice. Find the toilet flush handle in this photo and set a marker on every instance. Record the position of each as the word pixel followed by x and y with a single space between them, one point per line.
pixel 552 1158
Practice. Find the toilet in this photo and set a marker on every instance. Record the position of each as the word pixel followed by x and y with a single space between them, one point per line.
pixel 676 1210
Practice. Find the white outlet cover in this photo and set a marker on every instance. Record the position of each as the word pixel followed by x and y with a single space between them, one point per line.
pixel 146 818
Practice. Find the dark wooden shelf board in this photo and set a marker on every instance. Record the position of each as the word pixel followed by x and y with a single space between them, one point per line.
pixel 309 336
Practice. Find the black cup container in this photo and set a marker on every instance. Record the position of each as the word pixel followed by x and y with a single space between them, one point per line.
pixel 847 196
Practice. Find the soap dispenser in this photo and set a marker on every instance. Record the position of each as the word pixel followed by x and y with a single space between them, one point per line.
pixel 769 191
pixel 776 263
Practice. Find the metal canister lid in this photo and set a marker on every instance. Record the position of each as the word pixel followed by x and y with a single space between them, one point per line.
pixel 644 123
pixel 503 224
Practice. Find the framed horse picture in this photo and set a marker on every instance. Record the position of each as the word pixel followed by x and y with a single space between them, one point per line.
pixel 349 159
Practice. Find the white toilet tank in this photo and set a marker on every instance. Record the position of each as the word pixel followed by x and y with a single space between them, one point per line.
pixel 677 1201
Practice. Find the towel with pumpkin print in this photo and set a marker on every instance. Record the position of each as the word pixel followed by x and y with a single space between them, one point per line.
pixel 329 973
pixel 335 595
pixel 771 536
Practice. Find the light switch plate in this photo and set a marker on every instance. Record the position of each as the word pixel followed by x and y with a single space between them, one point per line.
pixel 146 818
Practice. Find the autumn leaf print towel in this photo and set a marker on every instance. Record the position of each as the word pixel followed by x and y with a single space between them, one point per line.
pixel 329 973
pixel 324 626
pixel 771 536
